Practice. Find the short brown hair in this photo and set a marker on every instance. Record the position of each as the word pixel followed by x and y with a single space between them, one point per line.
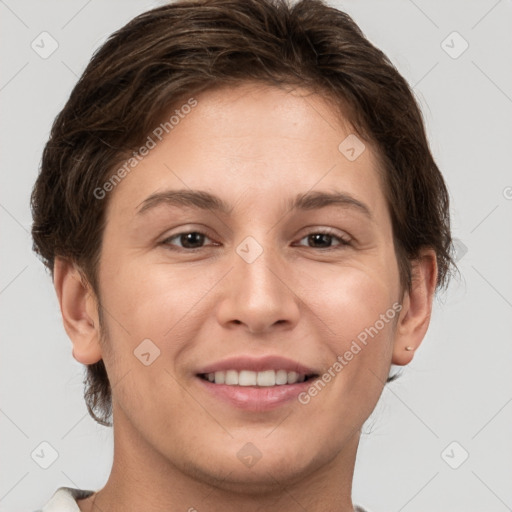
pixel 182 48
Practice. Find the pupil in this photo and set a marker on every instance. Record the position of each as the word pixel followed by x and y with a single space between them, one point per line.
pixel 319 237
pixel 189 239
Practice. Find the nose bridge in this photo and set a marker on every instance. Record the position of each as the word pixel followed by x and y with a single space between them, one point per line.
pixel 256 294
pixel 258 267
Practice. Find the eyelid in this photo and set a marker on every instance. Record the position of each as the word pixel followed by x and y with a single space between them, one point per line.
pixel 344 239
pixel 183 231
pixel 177 235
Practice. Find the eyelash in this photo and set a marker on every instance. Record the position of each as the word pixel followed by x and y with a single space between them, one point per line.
pixel 343 242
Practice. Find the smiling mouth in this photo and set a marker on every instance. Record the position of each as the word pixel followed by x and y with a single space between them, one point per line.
pixel 267 378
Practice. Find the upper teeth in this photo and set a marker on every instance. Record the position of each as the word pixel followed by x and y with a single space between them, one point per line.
pixel 250 378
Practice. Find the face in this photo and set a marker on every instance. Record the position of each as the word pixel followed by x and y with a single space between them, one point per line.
pixel 188 288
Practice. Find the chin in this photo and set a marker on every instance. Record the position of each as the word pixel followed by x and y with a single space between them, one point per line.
pixel 260 475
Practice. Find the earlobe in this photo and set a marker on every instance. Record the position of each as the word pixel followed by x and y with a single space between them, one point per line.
pixel 416 308
pixel 79 311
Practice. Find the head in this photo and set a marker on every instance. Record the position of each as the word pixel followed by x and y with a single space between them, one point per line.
pixel 258 103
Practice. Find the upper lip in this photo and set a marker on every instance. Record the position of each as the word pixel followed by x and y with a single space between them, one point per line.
pixel 257 364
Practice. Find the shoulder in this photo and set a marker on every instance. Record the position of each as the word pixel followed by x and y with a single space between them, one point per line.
pixel 64 500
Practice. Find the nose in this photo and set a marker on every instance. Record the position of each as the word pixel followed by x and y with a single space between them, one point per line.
pixel 259 295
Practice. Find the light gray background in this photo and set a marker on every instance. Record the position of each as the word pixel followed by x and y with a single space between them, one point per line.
pixel 458 387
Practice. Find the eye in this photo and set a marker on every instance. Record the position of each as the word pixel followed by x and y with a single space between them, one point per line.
pixel 188 240
pixel 323 239
pixel 191 240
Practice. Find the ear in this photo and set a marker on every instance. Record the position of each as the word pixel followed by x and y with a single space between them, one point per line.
pixel 78 306
pixel 416 310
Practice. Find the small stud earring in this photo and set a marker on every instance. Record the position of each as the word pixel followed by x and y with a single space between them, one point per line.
pixel 409 348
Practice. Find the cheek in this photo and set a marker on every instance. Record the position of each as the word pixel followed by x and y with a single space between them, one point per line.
pixel 149 301
pixel 349 299
pixel 164 306
pixel 358 313
pixel 143 310
pixel 355 309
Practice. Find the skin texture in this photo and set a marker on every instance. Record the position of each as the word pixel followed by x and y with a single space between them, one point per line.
pixel 175 446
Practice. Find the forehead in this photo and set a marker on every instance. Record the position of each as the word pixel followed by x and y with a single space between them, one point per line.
pixel 252 140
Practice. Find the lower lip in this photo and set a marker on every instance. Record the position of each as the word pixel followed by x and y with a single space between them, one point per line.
pixel 253 398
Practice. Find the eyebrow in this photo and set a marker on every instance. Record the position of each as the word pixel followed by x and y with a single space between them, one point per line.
pixel 206 201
